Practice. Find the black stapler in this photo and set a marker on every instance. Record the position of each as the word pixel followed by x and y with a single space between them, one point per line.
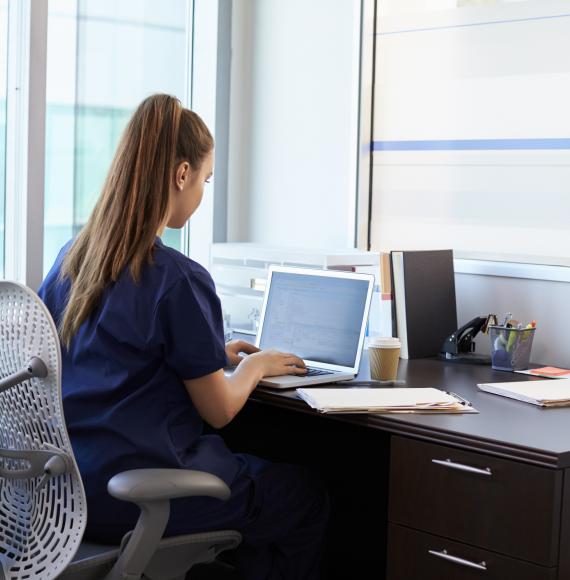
pixel 460 346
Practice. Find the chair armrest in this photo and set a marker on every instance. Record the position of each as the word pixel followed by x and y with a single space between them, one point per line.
pixel 142 485
pixel 152 490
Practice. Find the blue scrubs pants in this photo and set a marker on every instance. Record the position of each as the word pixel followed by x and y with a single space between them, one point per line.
pixel 281 511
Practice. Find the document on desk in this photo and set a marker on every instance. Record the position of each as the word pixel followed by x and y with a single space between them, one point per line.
pixel 546 393
pixel 384 400
pixel 547 372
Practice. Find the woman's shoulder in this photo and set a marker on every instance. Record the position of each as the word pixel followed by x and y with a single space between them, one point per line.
pixel 178 267
pixel 53 275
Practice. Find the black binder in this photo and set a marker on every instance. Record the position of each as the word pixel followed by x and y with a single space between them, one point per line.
pixel 424 297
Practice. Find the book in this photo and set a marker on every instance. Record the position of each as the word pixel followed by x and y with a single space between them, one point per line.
pixel 424 300
pixel 543 393
pixel 386 299
pixel 392 400
pixel 385 275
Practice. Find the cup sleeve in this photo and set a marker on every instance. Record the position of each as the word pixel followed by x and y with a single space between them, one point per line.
pixel 190 328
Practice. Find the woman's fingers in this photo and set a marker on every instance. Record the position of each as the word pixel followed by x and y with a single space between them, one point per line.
pixel 247 347
pixel 295 365
pixel 293 370
pixel 291 359
pixel 276 363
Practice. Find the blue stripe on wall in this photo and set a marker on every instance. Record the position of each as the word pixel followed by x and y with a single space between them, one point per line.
pixel 471 144
pixel 489 22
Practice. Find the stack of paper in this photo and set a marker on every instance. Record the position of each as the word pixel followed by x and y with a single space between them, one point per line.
pixel 404 400
pixel 544 393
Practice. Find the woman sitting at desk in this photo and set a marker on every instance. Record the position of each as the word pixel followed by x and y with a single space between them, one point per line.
pixel 143 357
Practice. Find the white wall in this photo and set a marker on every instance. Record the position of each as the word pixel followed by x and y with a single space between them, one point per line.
pixel 544 301
pixel 293 122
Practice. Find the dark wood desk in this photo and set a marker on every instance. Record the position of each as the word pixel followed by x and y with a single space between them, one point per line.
pixel 498 495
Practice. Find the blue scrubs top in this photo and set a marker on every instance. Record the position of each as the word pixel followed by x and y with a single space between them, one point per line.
pixel 125 404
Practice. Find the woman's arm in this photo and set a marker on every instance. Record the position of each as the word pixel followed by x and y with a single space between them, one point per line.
pixel 218 399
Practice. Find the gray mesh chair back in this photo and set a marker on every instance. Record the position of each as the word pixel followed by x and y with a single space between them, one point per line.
pixel 42 501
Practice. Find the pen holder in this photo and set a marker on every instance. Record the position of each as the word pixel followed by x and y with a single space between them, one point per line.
pixel 510 347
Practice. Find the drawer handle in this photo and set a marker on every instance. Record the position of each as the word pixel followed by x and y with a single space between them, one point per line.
pixel 461 467
pixel 461 561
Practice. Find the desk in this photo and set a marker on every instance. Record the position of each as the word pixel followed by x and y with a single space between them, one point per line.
pixel 515 522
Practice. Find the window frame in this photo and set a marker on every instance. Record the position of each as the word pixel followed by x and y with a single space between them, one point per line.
pixel 25 140
pixel 26 126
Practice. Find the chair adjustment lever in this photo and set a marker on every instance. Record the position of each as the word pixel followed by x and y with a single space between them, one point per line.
pixel 35 368
pixel 39 463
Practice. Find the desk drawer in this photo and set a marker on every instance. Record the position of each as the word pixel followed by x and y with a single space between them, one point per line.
pixel 501 505
pixel 414 555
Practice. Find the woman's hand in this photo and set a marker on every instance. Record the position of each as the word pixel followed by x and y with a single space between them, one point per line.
pixel 272 363
pixel 218 399
pixel 234 347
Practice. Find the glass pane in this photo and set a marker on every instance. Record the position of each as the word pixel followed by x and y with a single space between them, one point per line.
pixel 104 58
pixel 3 80
pixel 471 130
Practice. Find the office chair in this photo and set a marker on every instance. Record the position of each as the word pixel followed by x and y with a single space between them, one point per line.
pixel 42 502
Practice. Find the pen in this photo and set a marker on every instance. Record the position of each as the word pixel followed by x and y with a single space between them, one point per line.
pixel 508 316
pixel 460 399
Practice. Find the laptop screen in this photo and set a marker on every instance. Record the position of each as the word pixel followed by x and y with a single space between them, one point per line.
pixel 318 318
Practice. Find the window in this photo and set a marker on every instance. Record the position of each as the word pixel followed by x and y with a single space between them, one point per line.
pixel 3 84
pixel 471 129
pixel 104 57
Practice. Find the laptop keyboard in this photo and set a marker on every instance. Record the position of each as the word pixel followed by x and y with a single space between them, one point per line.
pixel 312 372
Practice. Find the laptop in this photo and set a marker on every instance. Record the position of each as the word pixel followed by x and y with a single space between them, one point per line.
pixel 318 315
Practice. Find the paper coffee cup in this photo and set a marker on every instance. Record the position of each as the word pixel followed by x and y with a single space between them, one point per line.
pixel 384 355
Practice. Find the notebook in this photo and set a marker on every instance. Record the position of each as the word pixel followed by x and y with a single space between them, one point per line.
pixel 398 400
pixel 318 315
pixel 544 393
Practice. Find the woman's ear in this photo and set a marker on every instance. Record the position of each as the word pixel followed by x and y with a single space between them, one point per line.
pixel 182 175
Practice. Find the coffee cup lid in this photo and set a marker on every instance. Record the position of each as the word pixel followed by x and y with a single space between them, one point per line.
pixel 385 342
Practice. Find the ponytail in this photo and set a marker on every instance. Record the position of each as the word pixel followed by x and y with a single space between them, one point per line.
pixel 133 203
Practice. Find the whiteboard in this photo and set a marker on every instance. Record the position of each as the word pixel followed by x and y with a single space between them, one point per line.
pixel 471 136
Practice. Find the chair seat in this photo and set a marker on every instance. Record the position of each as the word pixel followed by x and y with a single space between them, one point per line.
pixel 179 553
pixel 92 561
pixel 90 549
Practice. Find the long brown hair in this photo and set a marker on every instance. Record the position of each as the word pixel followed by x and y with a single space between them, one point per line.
pixel 133 203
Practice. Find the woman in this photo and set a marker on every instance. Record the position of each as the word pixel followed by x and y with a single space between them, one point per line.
pixel 143 357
